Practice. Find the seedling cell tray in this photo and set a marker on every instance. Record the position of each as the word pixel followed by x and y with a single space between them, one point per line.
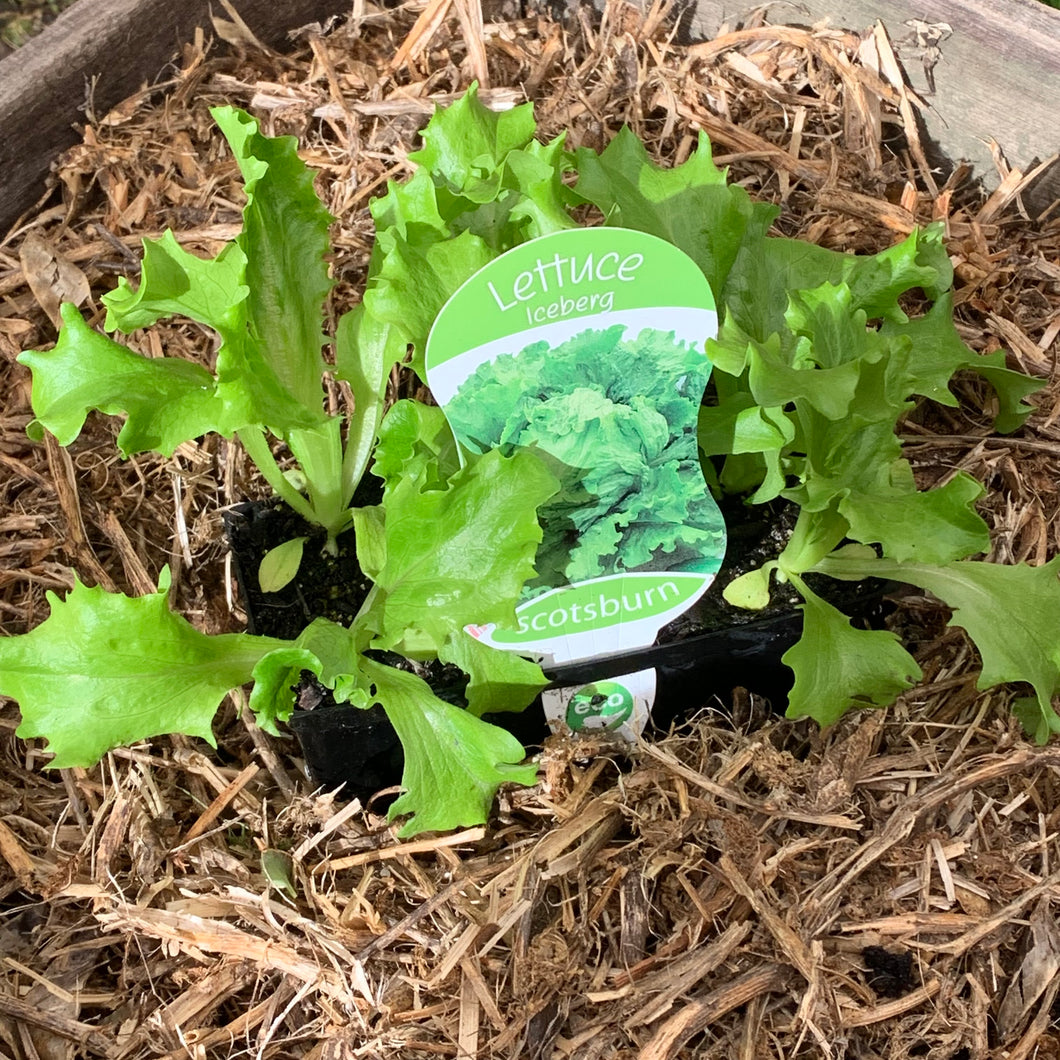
pixel 699 658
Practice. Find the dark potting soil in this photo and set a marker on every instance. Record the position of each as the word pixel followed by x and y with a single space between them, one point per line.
pixel 358 749
pixel 756 535
pixel 326 586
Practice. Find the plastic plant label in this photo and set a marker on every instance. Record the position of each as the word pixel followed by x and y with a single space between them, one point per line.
pixel 588 346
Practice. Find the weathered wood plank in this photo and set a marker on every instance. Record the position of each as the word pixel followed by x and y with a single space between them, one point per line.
pixel 118 43
pixel 998 76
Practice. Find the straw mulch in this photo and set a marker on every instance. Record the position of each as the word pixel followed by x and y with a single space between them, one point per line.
pixel 748 887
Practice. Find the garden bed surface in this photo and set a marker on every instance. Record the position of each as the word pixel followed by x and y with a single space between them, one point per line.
pixel 746 887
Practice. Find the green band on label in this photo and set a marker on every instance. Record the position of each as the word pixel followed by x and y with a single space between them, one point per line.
pixel 600 604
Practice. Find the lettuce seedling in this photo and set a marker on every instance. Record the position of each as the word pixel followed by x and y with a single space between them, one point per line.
pixel 815 363
pixel 452 541
pixel 263 295
pixel 446 545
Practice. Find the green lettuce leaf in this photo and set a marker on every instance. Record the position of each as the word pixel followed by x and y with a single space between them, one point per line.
pixel 284 240
pixel 168 400
pixel 1012 614
pixel 540 199
pixel 843 386
pixel 777 379
pixel 756 291
pixel 500 680
pixel 839 668
pixel 369 523
pixel 417 279
pixel 940 352
pixel 105 670
pixel 458 554
pixel 263 294
pixel 483 186
pixel 931 526
pixel 329 651
pixel 480 172
pixel 466 143
pixel 741 425
pixel 416 443
pixel 690 205
pixel 454 762
pixel 751 437
pixel 175 282
pixel 366 350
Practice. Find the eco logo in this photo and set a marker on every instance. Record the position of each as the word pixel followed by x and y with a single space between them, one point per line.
pixel 601 705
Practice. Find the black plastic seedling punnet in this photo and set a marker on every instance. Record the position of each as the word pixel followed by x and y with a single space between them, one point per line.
pixel 355 749
pixel 705 653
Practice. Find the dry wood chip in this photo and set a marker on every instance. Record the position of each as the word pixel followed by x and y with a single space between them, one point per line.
pixel 892 1009
pixel 198 935
pixel 30 1015
pixel 13 852
pixel 224 798
pixel 51 276
pixel 702 1012
pixel 413 846
pixel 683 975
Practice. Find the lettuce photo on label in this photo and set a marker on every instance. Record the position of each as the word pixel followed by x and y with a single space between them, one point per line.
pixel 615 418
